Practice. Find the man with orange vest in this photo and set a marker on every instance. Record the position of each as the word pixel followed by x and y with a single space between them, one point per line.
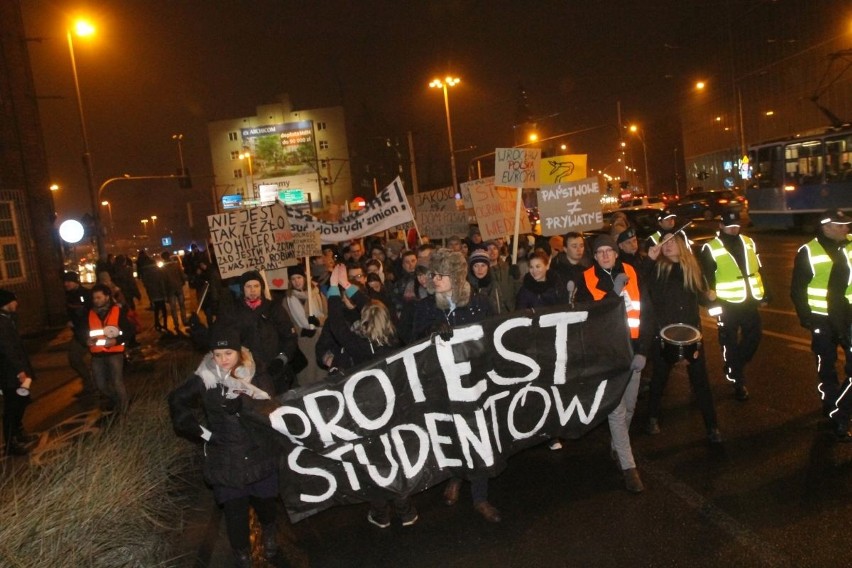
pixel 732 269
pixel 107 329
pixel 821 289
pixel 608 277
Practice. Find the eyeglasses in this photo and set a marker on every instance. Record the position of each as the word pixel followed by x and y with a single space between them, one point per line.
pixel 605 251
pixel 357 277
pixel 438 275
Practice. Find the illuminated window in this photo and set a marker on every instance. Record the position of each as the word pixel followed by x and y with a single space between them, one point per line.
pixel 232 136
pixel 11 262
pixel 323 145
pixel 238 173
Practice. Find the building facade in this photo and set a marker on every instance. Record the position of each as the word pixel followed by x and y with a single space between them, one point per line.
pixel 301 156
pixel 30 253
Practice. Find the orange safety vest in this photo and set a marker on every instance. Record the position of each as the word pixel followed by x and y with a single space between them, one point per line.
pixel 632 289
pixel 96 330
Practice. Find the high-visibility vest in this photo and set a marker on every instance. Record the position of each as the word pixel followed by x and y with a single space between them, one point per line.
pixel 632 300
pixel 821 269
pixel 96 330
pixel 658 236
pixel 732 282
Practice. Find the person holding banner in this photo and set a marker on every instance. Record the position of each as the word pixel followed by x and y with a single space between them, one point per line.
pixel 308 316
pixel 674 290
pixel 540 286
pixel 608 277
pixel 453 303
pixel 239 466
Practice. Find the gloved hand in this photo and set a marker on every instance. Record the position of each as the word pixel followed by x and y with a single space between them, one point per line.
pixel 444 331
pixel 638 362
pixel 308 332
pixel 515 271
pixel 313 320
pixel 619 283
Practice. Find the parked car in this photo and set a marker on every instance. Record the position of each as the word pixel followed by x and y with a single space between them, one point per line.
pixel 708 204
pixel 643 202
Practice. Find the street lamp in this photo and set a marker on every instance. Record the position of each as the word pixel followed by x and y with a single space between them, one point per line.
pixel 83 28
pixel 144 226
pixel 54 187
pixel 108 205
pixel 439 84
pixel 635 130
pixel 154 223
pixel 246 155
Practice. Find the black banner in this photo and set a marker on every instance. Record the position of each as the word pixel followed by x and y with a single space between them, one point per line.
pixel 439 408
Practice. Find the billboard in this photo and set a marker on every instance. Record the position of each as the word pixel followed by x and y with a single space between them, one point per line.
pixel 282 154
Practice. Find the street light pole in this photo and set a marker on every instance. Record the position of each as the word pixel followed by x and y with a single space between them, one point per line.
pixel 449 82
pixel 154 224
pixel 108 205
pixel 635 129
pixel 247 156
pixel 85 29
pixel 144 226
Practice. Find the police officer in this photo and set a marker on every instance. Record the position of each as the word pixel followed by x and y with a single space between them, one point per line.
pixel 666 221
pixel 821 290
pixel 732 270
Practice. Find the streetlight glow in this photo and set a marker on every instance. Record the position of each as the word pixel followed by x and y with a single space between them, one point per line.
pixel 438 84
pixel 83 28
pixel 54 187
pixel 533 137
pixel 700 85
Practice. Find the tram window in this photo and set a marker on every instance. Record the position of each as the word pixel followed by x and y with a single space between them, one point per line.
pixel 766 170
pixel 838 157
pixel 804 162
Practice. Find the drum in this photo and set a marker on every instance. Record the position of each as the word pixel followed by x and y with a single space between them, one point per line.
pixel 679 341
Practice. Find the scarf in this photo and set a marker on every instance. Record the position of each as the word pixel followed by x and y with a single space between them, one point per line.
pixel 253 304
pixel 213 376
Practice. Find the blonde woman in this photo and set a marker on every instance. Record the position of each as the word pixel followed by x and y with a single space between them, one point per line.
pixel 307 321
pixel 675 288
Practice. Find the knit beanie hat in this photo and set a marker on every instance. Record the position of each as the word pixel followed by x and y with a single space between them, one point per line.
pixel 223 337
pixel 478 255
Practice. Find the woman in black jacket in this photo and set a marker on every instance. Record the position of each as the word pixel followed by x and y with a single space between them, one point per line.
pixel 541 286
pixel 674 290
pixel 240 467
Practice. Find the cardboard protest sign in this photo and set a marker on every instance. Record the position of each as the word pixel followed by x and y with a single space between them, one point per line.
pixel 436 408
pixel 561 169
pixel 437 214
pixel 258 238
pixel 384 212
pixel 574 206
pixel 517 167
pixel 305 245
pixel 495 208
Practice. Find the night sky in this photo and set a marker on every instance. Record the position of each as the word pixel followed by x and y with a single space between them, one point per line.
pixel 160 67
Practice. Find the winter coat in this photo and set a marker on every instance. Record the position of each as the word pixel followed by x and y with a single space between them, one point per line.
pixel 233 455
pixel 666 301
pixel 154 281
pixel 266 330
pixel 355 348
pixel 428 317
pixel 13 358
pixel 534 294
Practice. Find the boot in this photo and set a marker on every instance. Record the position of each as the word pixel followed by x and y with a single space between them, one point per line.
pixel 632 481
pixel 270 541
pixel 451 491
pixel 242 557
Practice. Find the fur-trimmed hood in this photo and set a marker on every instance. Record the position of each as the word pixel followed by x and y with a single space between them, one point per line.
pixel 452 264
pixel 212 376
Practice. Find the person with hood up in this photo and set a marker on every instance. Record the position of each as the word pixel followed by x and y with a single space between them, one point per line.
pixel 453 304
pixel 239 466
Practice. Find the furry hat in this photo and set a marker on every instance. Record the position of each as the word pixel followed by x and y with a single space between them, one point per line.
pixel 454 265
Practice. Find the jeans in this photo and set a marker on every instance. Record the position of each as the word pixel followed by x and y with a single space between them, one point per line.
pixel 176 302
pixel 619 422
pixel 108 371
pixel 77 353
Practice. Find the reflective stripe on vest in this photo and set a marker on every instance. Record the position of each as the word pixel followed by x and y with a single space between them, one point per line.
pixel 821 269
pixel 632 288
pixel 96 330
pixel 731 281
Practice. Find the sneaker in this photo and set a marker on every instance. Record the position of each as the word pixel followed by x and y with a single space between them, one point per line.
pixel 632 481
pixel 555 444
pixel 741 393
pixel 653 426
pixel 409 517
pixel 714 436
pixel 380 518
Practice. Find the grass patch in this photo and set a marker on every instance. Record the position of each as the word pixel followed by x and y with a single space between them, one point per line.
pixel 114 497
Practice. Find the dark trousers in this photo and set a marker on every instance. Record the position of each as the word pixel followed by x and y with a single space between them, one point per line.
pixel 698 380
pixel 237 518
pixel 77 354
pixel 13 415
pixel 740 330
pixel 836 396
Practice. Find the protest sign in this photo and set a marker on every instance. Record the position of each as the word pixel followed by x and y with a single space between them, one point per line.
pixel 517 167
pixel 436 408
pixel 495 208
pixel 437 214
pixel 561 169
pixel 304 245
pixel 257 238
pixel 574 206
pixel 384 212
